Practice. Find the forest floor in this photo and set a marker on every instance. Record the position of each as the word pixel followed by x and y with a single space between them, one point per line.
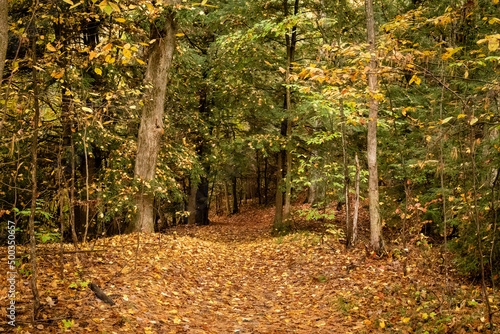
pixel 234 277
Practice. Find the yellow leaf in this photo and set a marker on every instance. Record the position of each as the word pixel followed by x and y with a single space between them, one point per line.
pixel 92 55
pixel 425 316
pixel 179 34
pixel 381 324
pixel 50 47
pixel 69 2
pixel 120 19
pixel 98 71
pixel 140 62
pixel 110 59
pixel 103 4
pixel 415 79
pixel 127 46
pixel 107 47
pixel 115 7
pixel 177 321
pixel 126 53
pixel 495 2
pixel 493 44
pixel 461 116
pixel 57 75
pixel 405 320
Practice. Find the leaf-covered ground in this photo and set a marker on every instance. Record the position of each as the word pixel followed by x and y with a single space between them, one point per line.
pixel 233 277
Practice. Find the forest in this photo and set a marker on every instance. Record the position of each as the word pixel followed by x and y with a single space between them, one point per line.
pixel 263 166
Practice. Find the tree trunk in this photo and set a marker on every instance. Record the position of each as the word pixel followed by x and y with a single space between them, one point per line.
pixel 151 128
pixel 34 195
pixel 259 193
pixel 266 182
pixel 201 203
pixel 192 203
pixel 376 239
pixel 356 203
pixel 282 219
pixel 226 194
pixel 235 196
pixel 278 210
pixel 72 202
pixel 348 224
pixel 4 37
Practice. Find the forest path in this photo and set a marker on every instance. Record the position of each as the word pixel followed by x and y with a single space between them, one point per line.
pixel 244 281
pixel 233 277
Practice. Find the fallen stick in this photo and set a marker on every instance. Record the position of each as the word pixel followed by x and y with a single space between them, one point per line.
pixel 101 294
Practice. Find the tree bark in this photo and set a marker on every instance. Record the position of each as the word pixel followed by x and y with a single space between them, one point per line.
pixel 259 193
pixel 226 195
pixel 192 204
pixel 151 128
pixel 4 38
pixel 266 182
pixel 282 217
pixel 349 226
pixel 356 203
pixel 34 195
pixel 278 210
pixel 377 243
pixel 235 196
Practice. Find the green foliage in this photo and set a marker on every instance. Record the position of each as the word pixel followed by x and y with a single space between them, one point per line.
pixel 438 98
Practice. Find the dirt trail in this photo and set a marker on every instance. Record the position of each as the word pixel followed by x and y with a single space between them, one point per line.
pixel 233 277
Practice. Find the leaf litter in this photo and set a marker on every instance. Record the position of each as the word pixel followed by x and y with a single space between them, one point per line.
pixel 233 277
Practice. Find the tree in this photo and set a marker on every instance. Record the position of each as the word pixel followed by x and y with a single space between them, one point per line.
pixel 4 38
pixel 151 128
pixel 283 208
pixel 34 167
pixel 377 242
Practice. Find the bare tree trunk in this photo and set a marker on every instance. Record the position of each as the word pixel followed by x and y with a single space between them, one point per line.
pixel 151 129
pixel 192 204
pixel 314 174
pixel 87 213
pixel 356 203
pixel 443 195
pixel 226 194
pixel 377 242
pixel 72 216
pixel 259 192
pixel 278 211
pixel 266 182
pixel 478 228
pixel 235 195
pixel 348 224
pixel 34 195
pixel 4 38
pixel 61 210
